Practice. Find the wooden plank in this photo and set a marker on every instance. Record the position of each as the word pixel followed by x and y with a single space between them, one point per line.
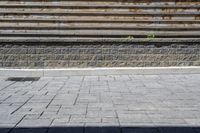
pixel 97 20
pixel 86 6
pixel 96 33
pixel 113 13
pixel 103 27
pixel 100 18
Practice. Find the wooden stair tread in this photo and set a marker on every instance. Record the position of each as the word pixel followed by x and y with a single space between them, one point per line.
pixel 99 18
pixel 86 20
pixel 75 6
pixel 98 32
pixel 99 39
pixel 113 13
pixel 102 27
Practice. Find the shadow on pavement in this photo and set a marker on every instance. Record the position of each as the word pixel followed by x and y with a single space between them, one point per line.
pixel 102 130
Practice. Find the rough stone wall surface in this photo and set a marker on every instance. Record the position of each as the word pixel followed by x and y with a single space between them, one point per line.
pixel 64 55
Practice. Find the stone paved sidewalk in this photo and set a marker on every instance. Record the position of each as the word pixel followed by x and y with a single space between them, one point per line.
pixel 78 102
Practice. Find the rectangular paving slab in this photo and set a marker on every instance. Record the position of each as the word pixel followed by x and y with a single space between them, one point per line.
pixel 103 104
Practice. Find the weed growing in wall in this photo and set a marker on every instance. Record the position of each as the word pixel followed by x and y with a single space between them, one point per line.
pixel 151 36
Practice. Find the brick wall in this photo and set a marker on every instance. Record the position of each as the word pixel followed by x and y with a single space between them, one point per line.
pixel 32 55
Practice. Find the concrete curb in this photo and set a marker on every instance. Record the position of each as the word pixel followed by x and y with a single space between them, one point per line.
pixel 98 71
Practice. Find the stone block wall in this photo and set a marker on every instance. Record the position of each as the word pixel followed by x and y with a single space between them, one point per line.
pixel 65 55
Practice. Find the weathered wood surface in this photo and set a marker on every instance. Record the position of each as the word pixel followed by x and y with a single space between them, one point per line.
pixel 100 18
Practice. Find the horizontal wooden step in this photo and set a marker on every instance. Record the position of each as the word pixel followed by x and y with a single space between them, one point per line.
pixel 99 33
pixel 97 20
pixel 76 13
pixel 110 12
pixel 102 27
pixel 105 2
pixel 100 18
pixel 95 6
pixel 94 40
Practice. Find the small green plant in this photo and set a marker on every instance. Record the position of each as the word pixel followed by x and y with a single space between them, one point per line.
pixel 130 37
pixel 151 36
